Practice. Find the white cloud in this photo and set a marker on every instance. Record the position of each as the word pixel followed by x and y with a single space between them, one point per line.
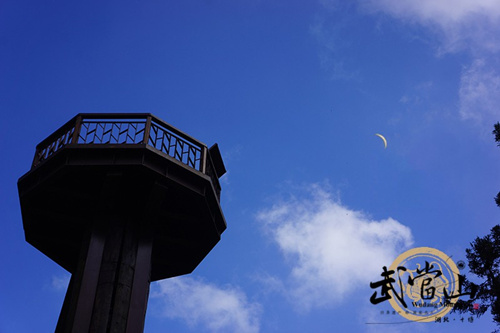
pixel 461 23
pixel 205 305
pixel 441 11
pixel 480 93
pixel 332 249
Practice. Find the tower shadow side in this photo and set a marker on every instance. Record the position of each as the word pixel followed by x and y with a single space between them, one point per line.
pixel 120 200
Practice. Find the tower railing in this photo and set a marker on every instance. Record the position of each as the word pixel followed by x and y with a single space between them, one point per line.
pixel 129 129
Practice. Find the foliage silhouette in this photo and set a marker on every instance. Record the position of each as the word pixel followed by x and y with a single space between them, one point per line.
pixel 484 261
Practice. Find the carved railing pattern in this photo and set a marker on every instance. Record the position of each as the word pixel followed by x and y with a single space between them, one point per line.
pixel 175 146
pixel 60 141
pixel 129 129
pixel 102 132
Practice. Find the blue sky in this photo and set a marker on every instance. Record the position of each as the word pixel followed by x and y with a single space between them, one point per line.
pixel 293 92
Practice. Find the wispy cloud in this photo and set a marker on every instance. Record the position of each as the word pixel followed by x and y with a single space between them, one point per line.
pixel 326 243
pixel 461 24
pixel 329 35
pixel 60 282
pixel 205 306
pixel 480 93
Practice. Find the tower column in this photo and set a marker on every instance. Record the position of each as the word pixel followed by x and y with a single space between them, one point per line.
pixel 110 288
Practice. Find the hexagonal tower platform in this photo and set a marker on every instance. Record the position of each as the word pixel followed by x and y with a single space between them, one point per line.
pixel 120 200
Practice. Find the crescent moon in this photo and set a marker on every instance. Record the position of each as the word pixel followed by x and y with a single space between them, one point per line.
pixel 382 137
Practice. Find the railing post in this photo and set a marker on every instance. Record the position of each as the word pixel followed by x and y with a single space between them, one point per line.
pixel 76 132
pixel 147 129
pixel 37 158
pixel 204 157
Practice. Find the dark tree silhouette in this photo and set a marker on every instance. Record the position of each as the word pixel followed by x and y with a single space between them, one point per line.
pixel 484 262
pixel 496 133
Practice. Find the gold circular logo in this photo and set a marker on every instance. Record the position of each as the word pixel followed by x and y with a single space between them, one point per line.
pixel 426 284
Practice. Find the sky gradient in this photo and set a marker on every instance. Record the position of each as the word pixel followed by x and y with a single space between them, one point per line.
pixel 294 93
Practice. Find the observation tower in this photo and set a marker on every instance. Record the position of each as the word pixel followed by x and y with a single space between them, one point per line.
pixel 120 200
